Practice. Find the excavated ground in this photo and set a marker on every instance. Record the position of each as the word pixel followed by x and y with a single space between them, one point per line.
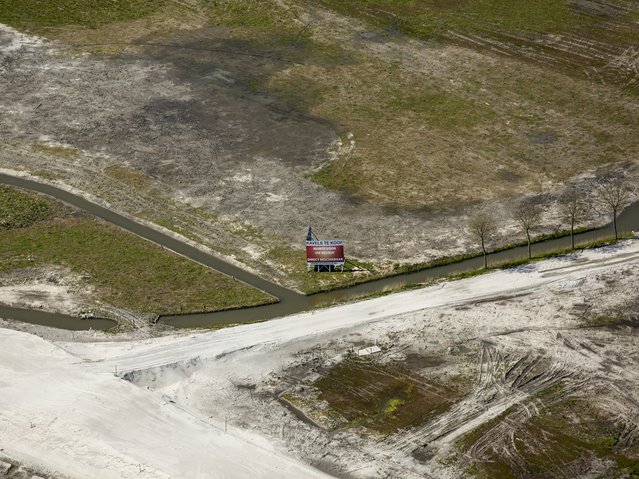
pixel 540 384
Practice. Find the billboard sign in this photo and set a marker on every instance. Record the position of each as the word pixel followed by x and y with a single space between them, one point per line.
pixel 325 253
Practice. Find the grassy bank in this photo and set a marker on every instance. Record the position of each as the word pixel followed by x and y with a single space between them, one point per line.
pixel 475 272
pixel 19 210
pixel 358 272
pixel 411 268
pixel 323 282
pixel 125 270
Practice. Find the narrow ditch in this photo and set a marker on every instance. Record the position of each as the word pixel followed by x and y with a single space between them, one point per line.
pixel 290 302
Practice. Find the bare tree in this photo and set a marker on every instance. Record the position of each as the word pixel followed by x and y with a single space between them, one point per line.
pixel 572 209
pixel 528 215
pixel 482 227
pixel 614 194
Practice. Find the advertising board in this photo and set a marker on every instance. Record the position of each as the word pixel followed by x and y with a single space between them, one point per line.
pixel 325 253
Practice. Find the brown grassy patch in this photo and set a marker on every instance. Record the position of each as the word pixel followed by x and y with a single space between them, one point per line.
pixel 121 34
pixel 124 28
pixel 382 398
pixel 64 152
pixel 429 141
pixel 129 176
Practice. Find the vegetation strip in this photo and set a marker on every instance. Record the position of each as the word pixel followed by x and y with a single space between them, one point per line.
pixel 149 234
pixel 290 302
pixel 126 271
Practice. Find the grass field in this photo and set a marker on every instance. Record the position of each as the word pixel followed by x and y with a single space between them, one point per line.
pixel 126 271
pixel 411 142
pixel 494 100
pixel 19 210
pixel 439 126
pixel 429 121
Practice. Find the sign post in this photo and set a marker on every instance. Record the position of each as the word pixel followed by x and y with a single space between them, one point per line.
pixel 328 253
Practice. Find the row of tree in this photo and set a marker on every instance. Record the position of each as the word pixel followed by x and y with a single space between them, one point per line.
pixel 611 194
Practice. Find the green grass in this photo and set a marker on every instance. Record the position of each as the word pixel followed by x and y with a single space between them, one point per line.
pixel 566 433
pixel 18 210
pixel 261 16
pixel 433 18
pixel 538 16
pixel 333 176
pixel 39 15
pixel 278 28
pixel 126 270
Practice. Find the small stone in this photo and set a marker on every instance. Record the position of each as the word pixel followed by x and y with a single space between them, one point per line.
pixel 4 467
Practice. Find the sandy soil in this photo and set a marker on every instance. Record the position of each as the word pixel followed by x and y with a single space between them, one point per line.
pixel 496 344
pixel 52 288
pixel 213 393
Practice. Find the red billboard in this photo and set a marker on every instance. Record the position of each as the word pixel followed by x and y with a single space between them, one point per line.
pixel 325 253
